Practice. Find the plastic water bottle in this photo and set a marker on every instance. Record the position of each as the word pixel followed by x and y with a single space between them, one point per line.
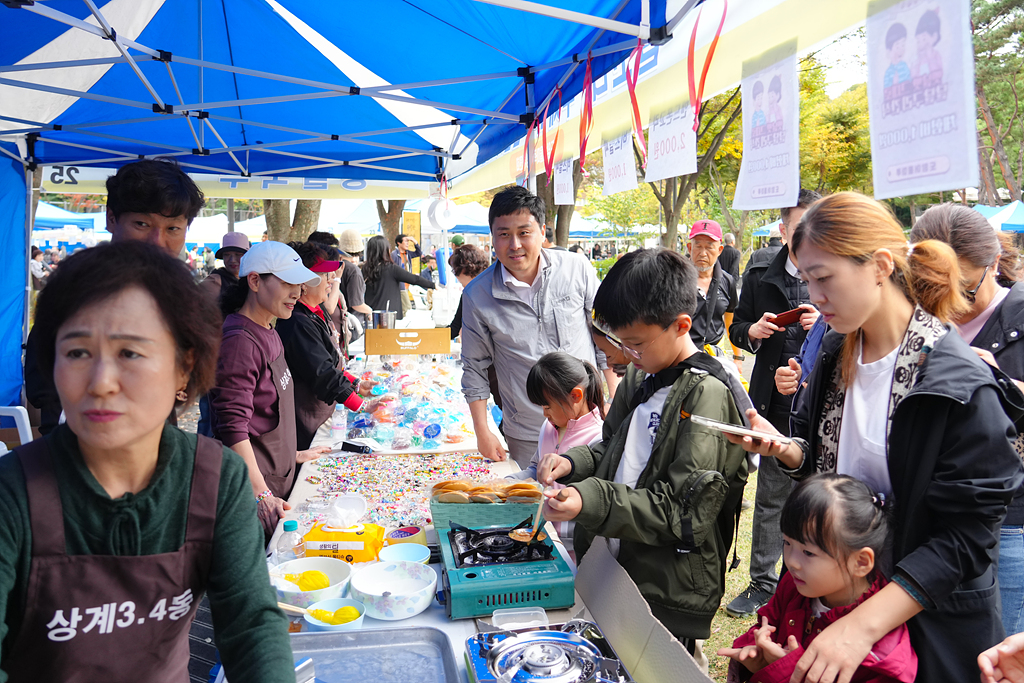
pixel 291 545
pixel 339 423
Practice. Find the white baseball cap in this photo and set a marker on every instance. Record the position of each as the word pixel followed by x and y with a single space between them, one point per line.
pixel 278 259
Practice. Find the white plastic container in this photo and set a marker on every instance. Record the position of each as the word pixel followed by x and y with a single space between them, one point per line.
pixel 519 618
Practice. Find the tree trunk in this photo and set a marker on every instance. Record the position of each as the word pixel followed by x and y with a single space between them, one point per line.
pixel 565 212
pixel 277 215
pixel 913 210
pixel 997 146
pixel 307 217
pixel 987 194
pixel 390 218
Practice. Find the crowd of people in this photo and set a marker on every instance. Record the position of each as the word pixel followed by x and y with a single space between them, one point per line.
pixel 900 530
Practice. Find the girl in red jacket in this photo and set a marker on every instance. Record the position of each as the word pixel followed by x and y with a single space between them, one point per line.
pixel 834 530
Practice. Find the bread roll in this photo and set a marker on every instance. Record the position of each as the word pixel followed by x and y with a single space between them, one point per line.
pixel 453 497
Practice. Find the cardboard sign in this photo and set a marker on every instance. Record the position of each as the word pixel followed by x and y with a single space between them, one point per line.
pixel 672 145
pixel 408 342
pixel 921 97
pixel 563 183
pixel 770 170
pixel 619 165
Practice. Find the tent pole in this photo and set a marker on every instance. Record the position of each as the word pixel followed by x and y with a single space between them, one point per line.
pixel 571 16
pixel 39 66
pixel 202 130
pixel 28 250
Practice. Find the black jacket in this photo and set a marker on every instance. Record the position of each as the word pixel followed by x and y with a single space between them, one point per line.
pixel 764 290
pixel 313 359
pixel 385 293
pixel 954 470
pixel 764 254
pixel 1000 336
pixel 730 262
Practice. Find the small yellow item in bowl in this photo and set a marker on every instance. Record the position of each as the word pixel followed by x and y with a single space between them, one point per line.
pixel 342 615
pixel 312 580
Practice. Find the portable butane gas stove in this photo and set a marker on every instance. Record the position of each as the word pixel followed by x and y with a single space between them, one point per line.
pixel 485 570
pixel 576 653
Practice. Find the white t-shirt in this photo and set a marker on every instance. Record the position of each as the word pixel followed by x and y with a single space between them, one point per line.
pixel 643 428
pixel 862 447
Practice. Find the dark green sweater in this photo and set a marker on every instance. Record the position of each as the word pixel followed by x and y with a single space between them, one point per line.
pixel 251 632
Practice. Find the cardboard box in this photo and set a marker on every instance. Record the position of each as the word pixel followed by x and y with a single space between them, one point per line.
pixel 408 342
pixel 646 648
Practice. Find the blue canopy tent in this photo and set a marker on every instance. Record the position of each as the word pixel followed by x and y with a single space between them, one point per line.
pixel 264 89
pixel 988 211
pixel 1014 220
pixel 49 216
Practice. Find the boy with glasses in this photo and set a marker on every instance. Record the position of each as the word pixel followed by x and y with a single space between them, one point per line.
pixel 662 489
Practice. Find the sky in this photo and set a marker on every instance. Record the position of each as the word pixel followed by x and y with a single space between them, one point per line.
pixel 846 59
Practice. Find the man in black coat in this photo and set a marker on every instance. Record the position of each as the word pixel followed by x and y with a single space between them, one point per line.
pixel 769 288
pixel 767 253
pixel 730 258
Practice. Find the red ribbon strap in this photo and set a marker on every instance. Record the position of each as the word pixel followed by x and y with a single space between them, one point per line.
pixel 631 81
pixel 586 114
pixel 549 155
pixel 697 93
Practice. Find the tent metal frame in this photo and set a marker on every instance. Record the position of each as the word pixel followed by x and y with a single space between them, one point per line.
pixel 392 92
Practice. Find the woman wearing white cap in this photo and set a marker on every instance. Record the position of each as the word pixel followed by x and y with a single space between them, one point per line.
pixel 253 400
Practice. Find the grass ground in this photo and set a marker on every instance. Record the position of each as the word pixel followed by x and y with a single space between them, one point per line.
pixel 725 629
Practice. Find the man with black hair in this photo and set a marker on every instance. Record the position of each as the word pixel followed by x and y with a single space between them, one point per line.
pixel 151 200
pixel 770 288
pixel 530 302
pixel 154 201
pixel 662 489
pixel 549 239
pixel 402 255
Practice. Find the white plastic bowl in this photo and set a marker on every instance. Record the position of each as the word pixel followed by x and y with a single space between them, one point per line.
pixel 405 552
pixel 332 606
pixel 337 571
pixel 394 590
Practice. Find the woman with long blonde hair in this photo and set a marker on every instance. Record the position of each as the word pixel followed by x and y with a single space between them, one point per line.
pixel 900 403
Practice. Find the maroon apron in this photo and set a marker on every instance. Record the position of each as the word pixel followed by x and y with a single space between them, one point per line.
pixel 275 450
pixel 110 617
pixel 310 411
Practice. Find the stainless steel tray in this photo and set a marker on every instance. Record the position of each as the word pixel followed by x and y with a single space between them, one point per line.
pixel 392 655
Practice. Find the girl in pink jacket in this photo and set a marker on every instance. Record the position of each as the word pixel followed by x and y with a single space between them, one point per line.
pixel 834 529
pixel 571 395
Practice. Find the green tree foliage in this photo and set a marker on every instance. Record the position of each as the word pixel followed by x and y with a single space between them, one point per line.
pixel 999 75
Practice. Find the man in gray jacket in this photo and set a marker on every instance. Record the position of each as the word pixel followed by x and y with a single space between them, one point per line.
pixel 532 301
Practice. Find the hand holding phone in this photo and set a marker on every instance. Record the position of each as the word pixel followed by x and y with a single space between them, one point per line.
pixel 787 318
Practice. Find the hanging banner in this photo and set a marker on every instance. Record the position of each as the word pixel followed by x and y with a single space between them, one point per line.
pixel 619 164
pixel 921 97
pixel 563 183
pixel 672 145
pixel 770 170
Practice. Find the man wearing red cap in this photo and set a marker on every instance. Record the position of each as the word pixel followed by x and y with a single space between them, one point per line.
pixel 716 289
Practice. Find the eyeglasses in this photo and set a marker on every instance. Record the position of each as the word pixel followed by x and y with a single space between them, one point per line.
pixel 621 345
pixel 972 294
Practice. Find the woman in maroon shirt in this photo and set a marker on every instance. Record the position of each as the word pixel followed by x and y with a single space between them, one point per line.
pixel 253 401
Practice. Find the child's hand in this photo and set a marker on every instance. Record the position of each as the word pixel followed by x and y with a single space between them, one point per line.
pixel 769 649
pixel 1004 662
pixel 551 467
pixel 562 505
pixel 749 656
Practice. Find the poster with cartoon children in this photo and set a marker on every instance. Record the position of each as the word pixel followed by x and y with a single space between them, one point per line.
pixel 770 169
pixel 921 96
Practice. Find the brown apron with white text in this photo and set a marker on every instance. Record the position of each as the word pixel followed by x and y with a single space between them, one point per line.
pixel 110 617
pixel 275 450
pixel 310 411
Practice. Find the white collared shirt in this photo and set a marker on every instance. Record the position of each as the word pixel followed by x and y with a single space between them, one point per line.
pixel 521 289
pixel 791 268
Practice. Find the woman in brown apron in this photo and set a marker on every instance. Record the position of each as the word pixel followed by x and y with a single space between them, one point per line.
pixel 312 347
pixel 253 399
pixel 114 526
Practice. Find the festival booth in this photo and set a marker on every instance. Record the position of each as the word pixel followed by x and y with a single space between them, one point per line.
pixel 280 98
